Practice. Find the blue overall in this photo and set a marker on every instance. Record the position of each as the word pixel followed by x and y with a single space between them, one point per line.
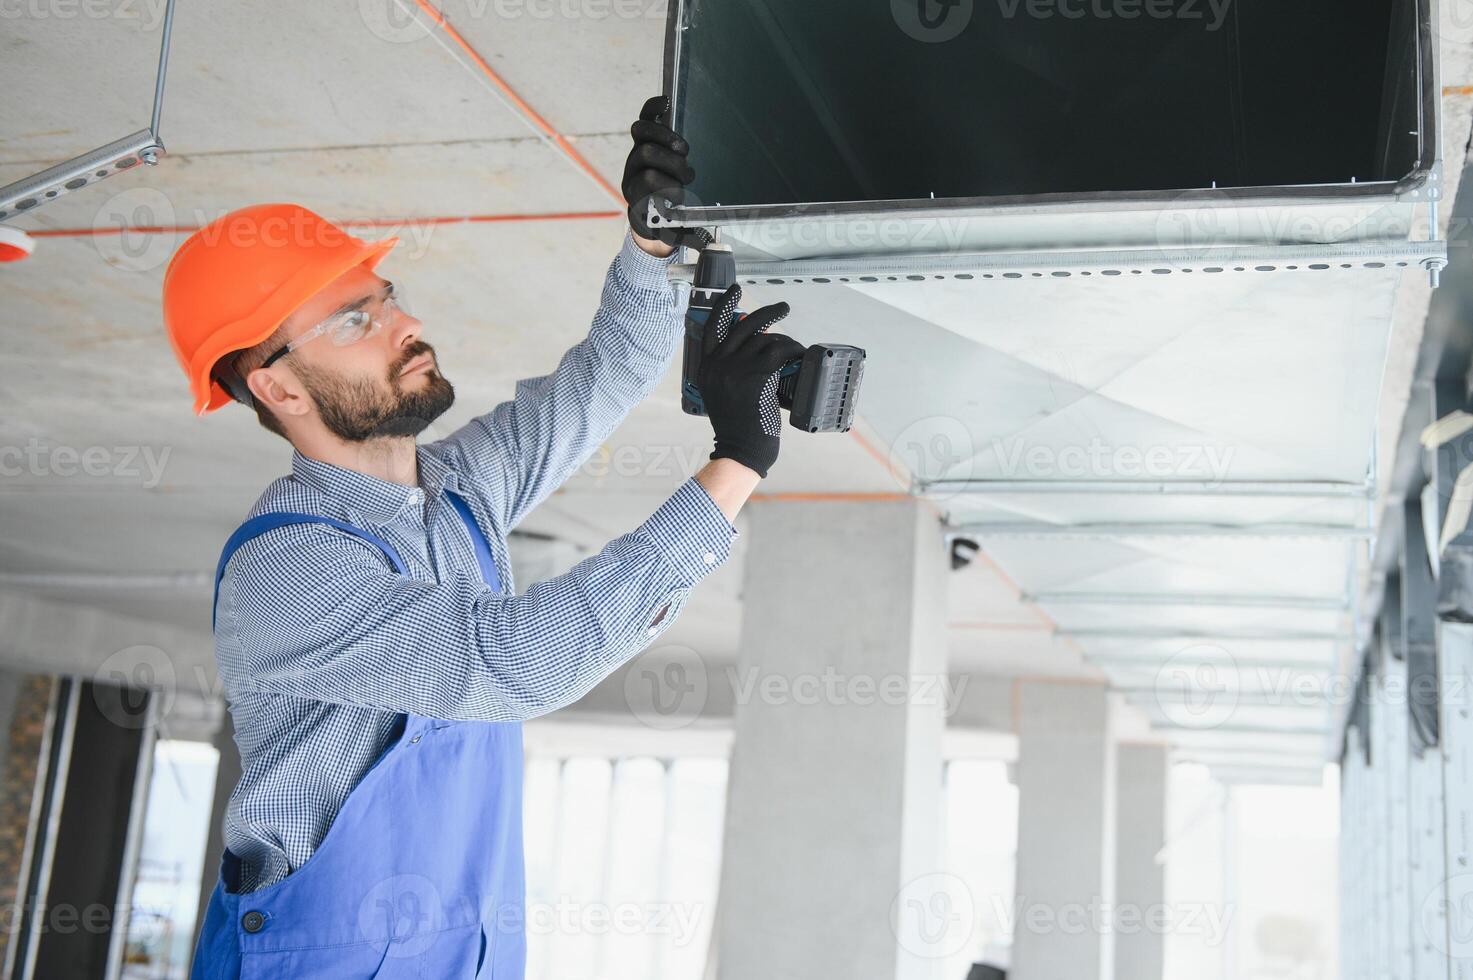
pixel 420 874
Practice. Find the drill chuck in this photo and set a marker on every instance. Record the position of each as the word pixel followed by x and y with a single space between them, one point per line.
pixel 819 389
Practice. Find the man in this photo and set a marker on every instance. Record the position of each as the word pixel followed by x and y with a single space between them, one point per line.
pixel 376 660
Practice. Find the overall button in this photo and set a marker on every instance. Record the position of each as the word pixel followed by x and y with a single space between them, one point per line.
pixel 253 922
pixel 415 740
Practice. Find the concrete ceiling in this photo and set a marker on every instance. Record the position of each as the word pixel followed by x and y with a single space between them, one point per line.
pixel 360 112
pixel 363 112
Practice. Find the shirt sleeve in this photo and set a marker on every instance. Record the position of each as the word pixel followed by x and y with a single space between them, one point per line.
pixel 310 612
pixel 525 448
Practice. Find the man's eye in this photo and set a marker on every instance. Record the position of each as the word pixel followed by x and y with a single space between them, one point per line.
pixel 350 327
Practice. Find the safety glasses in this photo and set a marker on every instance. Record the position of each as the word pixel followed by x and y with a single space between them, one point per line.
pixel 348 326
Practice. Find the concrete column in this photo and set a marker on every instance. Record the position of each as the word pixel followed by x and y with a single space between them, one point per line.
pixel 1066 833
pixel 1140 883
pixel 833 803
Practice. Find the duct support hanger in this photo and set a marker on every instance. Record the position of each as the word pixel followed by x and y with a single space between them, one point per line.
pixel 144 146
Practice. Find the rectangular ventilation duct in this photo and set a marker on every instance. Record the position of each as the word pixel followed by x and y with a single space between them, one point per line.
pixel 1090 246
pixel 828 110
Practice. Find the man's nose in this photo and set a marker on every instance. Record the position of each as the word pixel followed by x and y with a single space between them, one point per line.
pixel 405 331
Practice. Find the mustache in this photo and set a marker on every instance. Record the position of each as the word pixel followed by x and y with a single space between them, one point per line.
pixel 416 349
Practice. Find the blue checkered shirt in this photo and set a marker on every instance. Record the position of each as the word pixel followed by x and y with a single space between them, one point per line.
pixel 321 645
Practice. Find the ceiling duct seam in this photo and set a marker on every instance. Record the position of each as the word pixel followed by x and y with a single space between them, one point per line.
pixel 1273 531
pixel 1170 635
pixel 1195 600
pixel 1190 488
pixel 1014 266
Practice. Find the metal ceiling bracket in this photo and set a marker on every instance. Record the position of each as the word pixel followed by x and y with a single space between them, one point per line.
pixel 143 147
pixel 1194 488
pixel 901 267
pixel 1042 530
pixel 1329 604
pixel 1267 636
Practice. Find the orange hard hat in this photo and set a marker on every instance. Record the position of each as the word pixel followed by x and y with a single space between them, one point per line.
pixel 233 282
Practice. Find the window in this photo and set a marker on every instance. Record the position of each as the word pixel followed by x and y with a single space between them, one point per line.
pixel 622 865
pixel 166 893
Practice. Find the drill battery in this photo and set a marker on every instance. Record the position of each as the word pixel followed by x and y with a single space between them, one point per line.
pixel 819 389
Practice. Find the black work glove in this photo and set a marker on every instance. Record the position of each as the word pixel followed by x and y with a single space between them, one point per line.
pixel 657 169
pixel 738 380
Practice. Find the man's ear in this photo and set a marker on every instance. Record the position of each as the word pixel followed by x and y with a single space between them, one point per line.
pixel 279 391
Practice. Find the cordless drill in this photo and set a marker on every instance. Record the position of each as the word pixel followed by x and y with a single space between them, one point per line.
pixel 818 389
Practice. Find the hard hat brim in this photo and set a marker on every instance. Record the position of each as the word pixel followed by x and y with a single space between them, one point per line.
pixel 246 333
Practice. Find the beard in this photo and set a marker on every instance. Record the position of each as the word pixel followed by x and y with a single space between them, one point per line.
pixel 358 410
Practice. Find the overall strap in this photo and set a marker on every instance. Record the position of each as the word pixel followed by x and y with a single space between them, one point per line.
pixel 489 574
pixel 262 523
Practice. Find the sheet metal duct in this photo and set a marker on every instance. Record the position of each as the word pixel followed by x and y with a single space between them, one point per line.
pixel 1053 123
pixel 1145 269
pixel 1035 98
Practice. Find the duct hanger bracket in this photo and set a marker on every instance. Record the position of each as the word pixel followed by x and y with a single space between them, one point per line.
pixel 143 147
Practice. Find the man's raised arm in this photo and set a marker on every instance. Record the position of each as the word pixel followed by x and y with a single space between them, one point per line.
pixel 525 448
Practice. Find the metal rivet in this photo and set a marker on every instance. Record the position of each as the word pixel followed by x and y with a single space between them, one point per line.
pixel 415 740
